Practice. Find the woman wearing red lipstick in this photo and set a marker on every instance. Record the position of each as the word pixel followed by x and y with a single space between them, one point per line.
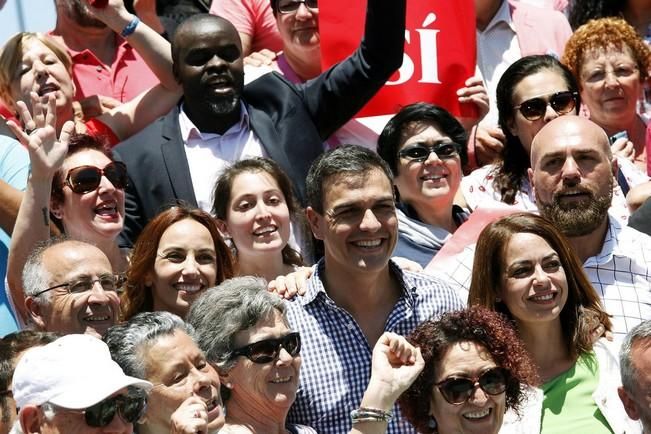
pixel 256 210
pixel 526 270
pixel 611 62
pixel 33 67
pixel 178 255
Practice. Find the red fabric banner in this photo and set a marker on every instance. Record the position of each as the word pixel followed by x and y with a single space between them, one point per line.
pixel 439 51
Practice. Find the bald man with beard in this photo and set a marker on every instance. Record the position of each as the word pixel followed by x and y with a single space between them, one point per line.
pixel 572 174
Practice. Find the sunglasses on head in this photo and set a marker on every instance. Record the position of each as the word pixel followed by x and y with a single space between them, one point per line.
pixel 457 390
pixel 267 350
pixel 535 108
pixel 130 407
pixel 84 179
pixel 291 6
pixel 420 151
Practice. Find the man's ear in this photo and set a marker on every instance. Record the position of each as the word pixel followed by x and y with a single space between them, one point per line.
pixel 35 312
pixel 530 175
pixel 31 419
pixel 56 208
pixel 629 403
pixel 614 167
pixel 316 221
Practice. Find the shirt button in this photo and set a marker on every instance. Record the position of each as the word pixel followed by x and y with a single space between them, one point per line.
pixel 351 326
pixel 98 68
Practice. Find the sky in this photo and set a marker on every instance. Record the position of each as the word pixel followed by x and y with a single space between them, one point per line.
pixel 38 16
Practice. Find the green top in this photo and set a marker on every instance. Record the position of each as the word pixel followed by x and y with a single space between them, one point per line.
pixel 568 406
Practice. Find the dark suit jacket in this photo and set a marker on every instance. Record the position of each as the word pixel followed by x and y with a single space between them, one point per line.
pixel 291 120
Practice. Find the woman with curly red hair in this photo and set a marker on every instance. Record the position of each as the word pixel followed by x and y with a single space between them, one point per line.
pixel 528 271
pixel 611 62
pixel 476 369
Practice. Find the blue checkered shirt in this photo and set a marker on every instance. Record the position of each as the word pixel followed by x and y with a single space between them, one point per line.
pixel 336 356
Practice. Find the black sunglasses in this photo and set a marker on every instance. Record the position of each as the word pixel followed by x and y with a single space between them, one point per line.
pixel 267 350
pixel 84 179
pixel 131 409
pixel 457 390
pixel 420 151
pixel 291 6
pixel 535 108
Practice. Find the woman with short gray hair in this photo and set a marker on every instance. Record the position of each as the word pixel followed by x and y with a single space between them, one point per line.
pixel 158 347
pixel 244 331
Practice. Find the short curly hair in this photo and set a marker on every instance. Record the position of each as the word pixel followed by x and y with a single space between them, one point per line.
pixel 477 324
pixel 603 33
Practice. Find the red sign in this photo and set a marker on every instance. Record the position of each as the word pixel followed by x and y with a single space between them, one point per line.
pixel 439 51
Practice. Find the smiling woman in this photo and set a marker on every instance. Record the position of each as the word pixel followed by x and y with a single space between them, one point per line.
pixel 527 271
pixel 178 255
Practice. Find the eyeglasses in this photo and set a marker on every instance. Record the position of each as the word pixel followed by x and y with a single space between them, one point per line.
pixel 267 350
pixel 84 179
pixel 420 151
pixel 131 409
pixel 291 6
pixel 108 282
pixel 457 390
pixel 535 108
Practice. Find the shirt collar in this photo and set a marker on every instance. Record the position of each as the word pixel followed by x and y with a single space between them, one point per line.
pixel 315 285
pixel 503 15
pixel 190 131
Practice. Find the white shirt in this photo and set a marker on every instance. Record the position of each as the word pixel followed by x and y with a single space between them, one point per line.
pixel 209 154
pixel 497 49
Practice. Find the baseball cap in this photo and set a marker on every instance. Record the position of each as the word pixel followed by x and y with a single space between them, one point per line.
pixel 75 371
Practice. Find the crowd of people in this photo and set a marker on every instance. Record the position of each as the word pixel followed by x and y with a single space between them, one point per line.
pixel 197 235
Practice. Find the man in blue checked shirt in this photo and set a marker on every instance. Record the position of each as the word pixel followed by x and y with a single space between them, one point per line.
pixel 355 292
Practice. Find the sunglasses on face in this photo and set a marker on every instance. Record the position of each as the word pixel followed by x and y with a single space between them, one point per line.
pixel 130 407
pixel 267 350
pixel 535 108
pixel 457 390
pixel 291 6
pixel 84 179
pixel 420 151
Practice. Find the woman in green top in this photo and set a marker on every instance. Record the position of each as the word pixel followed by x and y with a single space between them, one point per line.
pixel 526 269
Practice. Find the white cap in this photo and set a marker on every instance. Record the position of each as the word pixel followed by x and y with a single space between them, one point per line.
pixel 75 372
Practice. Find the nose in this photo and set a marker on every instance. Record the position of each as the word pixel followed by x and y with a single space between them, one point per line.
pixel 303 12
pixel 432 157
pixel 550 113
pixel 118 425
pixel 40 68
pixel 284 358
pixel 611 79
pixel 478 397
pixel 216 62
pixel 571 172
pixel 201 383
pixel 98 295
pixel 262 211
pixel 369 222
pixel 541 279
pixel 105 185
pixel 190 266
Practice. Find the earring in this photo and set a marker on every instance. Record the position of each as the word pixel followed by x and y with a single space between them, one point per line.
pixel 431 423
pixel 498 300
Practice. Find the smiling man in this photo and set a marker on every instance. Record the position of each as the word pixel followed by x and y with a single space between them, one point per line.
pixel 70 288
pixel 572 175
pixel 355 293
pixel 220 120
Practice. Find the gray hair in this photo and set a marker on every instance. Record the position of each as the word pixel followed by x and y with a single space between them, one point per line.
pixel 128 342
pixel 221 312
pixel 35 277
pixel 627 369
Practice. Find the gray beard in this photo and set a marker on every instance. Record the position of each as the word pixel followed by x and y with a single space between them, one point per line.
pixel 223 107
pixel 581 218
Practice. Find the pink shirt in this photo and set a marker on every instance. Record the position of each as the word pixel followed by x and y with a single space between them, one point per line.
pixel 252 17
pixel 128 76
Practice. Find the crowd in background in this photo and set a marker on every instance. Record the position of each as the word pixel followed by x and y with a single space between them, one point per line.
pixel 198 235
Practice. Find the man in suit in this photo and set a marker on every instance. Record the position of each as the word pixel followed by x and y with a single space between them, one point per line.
pixel 220 121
